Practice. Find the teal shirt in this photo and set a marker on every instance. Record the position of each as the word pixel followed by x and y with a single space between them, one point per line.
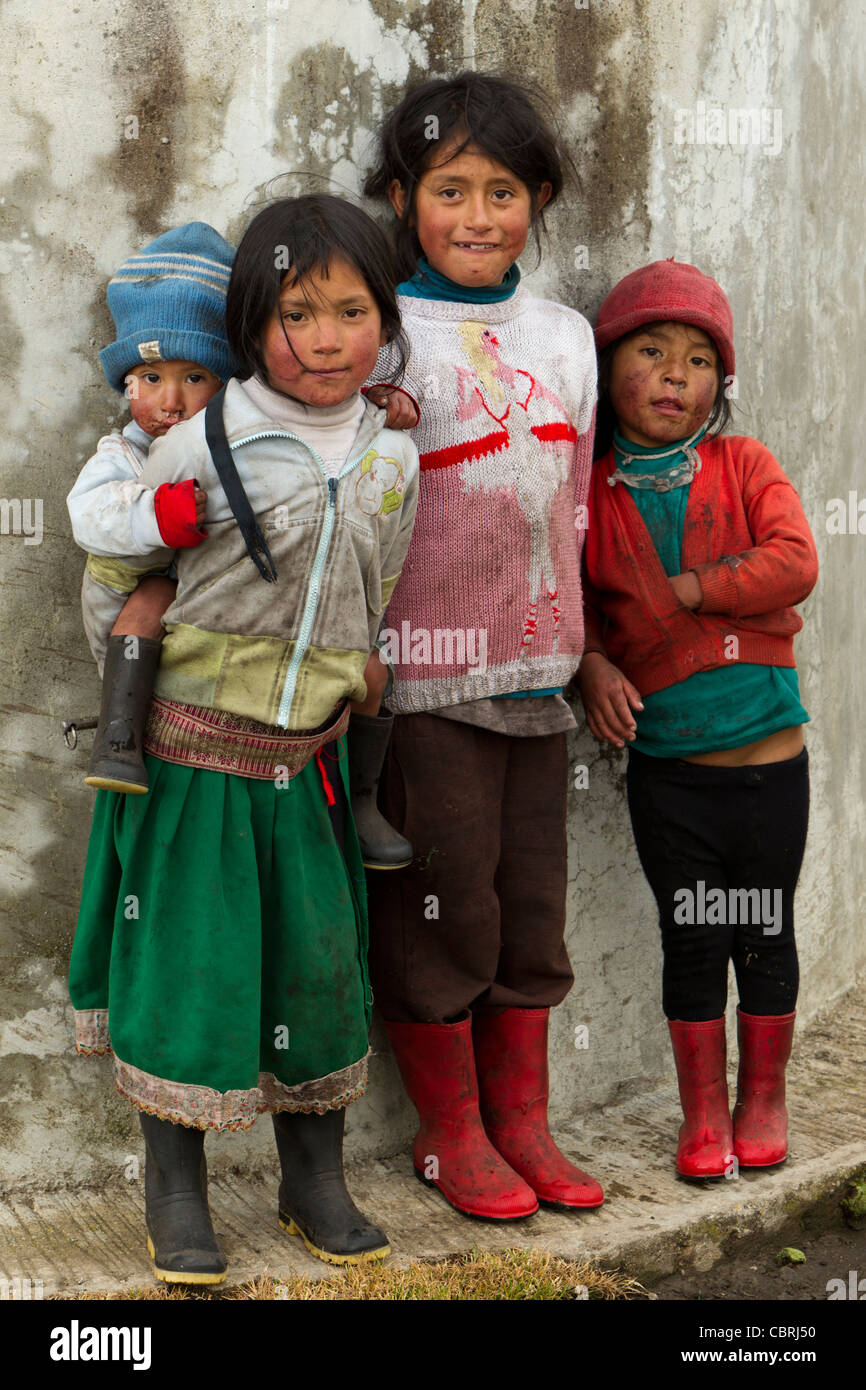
pixel 712 710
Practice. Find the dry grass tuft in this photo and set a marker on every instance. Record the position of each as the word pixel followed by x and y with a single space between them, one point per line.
pixel 478 1275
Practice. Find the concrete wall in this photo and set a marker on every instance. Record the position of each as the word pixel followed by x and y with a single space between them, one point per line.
pixel 227 97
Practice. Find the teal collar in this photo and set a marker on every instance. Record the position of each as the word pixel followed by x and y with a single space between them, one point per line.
pixel 651 456
pixel 665 469
pixel 427 283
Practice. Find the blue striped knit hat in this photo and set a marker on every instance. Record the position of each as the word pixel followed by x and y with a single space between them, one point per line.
pixel 168 303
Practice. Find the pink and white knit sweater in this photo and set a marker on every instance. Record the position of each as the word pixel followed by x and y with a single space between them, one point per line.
pixel 489 599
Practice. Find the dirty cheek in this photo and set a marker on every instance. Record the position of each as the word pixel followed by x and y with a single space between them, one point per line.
pixel 141 412
pixel 704 396
pixel 368 347
pixel 632 387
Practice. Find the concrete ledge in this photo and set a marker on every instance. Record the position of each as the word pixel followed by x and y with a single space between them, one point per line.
pixel 652 1222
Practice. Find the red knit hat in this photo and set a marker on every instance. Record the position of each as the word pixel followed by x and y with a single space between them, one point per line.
pixel 668 291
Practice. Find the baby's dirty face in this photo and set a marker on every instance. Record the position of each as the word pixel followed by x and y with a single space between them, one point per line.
pixel 161 394
pixel 663 381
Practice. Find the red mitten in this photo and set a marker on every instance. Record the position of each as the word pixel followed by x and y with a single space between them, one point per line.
pixel 174 504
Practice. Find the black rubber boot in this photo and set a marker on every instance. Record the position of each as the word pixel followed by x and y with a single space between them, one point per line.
pixel 314 1202
pixel 180 1236
pixel 127 685
pixel 382 847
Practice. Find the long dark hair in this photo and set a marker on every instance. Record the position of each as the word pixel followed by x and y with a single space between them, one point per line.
pixel 605 416
pixel 306 234
pixel 503 118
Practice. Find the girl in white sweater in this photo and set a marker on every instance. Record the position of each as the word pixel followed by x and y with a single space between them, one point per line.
pixel 485 629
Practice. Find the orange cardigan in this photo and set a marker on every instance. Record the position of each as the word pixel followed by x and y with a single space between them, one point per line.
pixel 746 537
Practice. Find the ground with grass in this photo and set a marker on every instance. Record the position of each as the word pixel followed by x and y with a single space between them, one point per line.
pixel 479 1275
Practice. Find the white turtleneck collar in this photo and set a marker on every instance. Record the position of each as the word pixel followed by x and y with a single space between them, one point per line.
pixel 329 429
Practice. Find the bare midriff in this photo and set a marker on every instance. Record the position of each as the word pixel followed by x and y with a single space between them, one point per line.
pixel 787 743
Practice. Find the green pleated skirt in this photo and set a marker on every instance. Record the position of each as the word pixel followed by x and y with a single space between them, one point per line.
pixel 221 947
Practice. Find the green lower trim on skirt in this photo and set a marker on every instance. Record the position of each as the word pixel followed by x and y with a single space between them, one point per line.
pixel 225 937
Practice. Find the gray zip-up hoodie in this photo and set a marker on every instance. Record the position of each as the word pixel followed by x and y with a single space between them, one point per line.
pixel 284 653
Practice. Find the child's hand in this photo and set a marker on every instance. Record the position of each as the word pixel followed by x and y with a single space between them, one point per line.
pixel 403 414
pixel 608 699
pixel 687 588
pixel 376 679
pixel 200 505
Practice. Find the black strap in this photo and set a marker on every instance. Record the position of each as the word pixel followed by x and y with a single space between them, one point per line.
pixel 223 461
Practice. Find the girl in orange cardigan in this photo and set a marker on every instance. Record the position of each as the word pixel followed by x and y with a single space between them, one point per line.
pixel 696 551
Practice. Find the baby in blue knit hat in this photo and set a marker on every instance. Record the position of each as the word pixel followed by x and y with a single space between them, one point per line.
pixel 170 356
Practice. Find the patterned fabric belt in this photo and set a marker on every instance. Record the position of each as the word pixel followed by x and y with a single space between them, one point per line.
pixel 211 738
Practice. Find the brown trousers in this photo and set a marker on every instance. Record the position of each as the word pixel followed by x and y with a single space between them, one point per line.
pixel 478 919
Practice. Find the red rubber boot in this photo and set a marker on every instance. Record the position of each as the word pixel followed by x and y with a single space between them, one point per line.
pixel 511 1060
pixel 760 1116
pixel 706 1142
pixel 451 1150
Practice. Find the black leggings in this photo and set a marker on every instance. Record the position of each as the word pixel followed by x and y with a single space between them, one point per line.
pixel 742 830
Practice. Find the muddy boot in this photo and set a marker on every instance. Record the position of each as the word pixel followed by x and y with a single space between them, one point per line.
pixel 314 1202
pixel 451 1150
pixel 127 685
pixel 180 1237
pixel 382 847
pixel 706 1141
pixel 513 1087
pixel 760 1115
